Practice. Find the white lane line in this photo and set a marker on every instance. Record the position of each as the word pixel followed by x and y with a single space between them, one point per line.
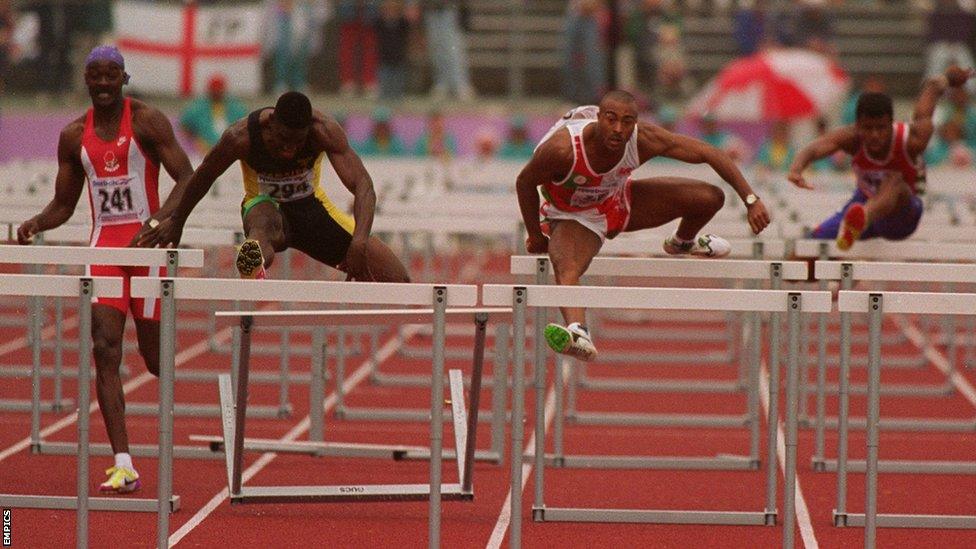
pixel 935 356
pixel 802 511
pixel 183 356
pixel 505 515
pixel 355 379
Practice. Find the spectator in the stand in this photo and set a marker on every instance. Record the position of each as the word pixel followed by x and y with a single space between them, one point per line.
pixel 393 33
pixel 517 145
pixel 959 109
pixel 874 83
pixel 292 34
pixel 584 52
pixel 59 23
pixel 436 141
pixel 948 147
pixel 6 40
pixel 671 59
pixel 950 33
pixel 357 46
pixel 644 25
pixel 445 42
pixel 815 26
pixel 485 144
pixel 206 117
pixel 381 141
pixel 667 118
pixel 749 26
pixel 776 153
pixel 720 139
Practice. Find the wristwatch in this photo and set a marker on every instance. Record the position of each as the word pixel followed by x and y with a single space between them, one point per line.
pixel 751 199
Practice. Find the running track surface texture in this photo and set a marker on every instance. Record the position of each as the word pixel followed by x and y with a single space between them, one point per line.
pixel 206 518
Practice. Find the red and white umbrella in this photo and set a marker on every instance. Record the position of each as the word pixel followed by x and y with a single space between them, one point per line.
pixel 780 84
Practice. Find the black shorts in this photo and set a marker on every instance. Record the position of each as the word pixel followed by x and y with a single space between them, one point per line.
pixel 310 229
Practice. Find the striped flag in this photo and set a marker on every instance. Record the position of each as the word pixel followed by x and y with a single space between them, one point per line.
pixel 174 49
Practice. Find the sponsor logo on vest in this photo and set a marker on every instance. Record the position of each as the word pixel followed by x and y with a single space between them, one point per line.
pixel 111 163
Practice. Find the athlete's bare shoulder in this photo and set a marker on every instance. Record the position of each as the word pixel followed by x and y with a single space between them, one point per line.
pixel 327 134
pixel 652 140
pixel 554 156
pixel 72 133
pixel 236 138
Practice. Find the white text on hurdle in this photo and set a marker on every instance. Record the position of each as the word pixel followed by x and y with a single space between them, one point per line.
pixel 7 528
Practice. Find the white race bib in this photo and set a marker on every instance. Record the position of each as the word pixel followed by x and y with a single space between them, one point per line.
pixel 286 188
pixel 113 202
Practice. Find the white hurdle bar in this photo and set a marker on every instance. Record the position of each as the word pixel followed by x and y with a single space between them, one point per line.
pixel 171 259
pixel 316 444
pixel 85 288
pixel 849 272
pixel 362 293
pixel 678 268
pixel 876 304
pixel 778 301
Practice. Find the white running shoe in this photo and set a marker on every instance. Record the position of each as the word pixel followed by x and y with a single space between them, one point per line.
pixel 573 340
pixel 706 245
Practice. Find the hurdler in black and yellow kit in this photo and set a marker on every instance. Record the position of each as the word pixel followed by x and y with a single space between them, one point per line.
pixel 312 223
pixel 281 150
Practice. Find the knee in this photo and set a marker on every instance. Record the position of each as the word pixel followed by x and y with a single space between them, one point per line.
pixel 107 348
pixel 713 198
pixel 152 362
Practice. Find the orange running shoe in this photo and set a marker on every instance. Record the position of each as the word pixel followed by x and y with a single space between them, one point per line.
pixel 854 223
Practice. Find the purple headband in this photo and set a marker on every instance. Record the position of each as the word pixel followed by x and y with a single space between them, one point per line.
pixel 110 54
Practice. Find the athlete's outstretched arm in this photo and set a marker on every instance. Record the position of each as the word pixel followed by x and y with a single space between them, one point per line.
pixel 167 231
pixel 154 128
pixel 922 127
pixel 67 186
pixel 351 171
pixel 825 145
pixel 687 149
pixel 551 161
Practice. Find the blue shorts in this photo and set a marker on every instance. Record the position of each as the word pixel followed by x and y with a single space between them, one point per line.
pixel 897 226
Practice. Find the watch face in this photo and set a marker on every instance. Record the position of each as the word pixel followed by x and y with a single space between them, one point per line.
pixel 751 199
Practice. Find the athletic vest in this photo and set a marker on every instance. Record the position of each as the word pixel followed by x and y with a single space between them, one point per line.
pixel 583 188
pixel 123 183
pixel 283 179
pixel 870 172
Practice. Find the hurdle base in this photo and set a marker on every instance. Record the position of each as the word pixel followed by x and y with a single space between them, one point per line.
pixel 136 450
pixel 423 454
pixel 660 420
pixel 920 425
pixel 721 462
pixel 347 413
pixel 662 385
pixel 319 449
pixel 942 522
pixel 207 410
pixel 347 494
pixel 901 466
pixel 923 390
pixel 45 405
pixel 566 514
pixel 138 505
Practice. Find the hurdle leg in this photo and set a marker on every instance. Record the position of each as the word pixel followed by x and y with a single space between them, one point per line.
pixel 843 403
pixel 755 367
pixel 477 368
pixel 772 416
pixel 240 405
pixel 821 397
pixel 84 408
pixel 34 334
pixel 518 413
pixel 499 390
pixel 874 398
pixel 541 365
pixel 57 404
pixel 316 387
pixel 437 416
pixel 795 366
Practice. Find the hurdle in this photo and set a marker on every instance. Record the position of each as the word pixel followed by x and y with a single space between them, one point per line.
pixel 363 293
pixel 316 444
pixel 847 272
pixel 876 304
pixel 85 288
pixel 748 380
pixel 776 301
